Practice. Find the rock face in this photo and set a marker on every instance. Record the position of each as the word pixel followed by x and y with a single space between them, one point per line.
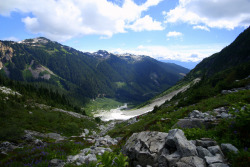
pixel 197 119
pixel 229 148
pixel 159 149
pixel 144 148
pixel 87 155
pixel 177 140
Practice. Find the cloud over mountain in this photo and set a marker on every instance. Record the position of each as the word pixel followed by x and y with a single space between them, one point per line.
pixel 63 19
pixel 226 14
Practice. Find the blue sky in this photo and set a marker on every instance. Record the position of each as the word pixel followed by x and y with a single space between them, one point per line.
pixel 180 31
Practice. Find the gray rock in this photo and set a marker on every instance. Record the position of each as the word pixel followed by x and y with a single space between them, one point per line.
pixel 215 159
pixel 83 135
pixel 143 148
pixel 55 136
pixel 28 138
pixel 193 141
pixel 105 141
pixel 56 163
pixel 218 165
pixel 228 148
pixel 202 152
pixel 169 160
pixel 86 131
pixel 195 114
pixel 7 146
pixel 38 142
pixel 177 139
pixel 220 109
pixel 192 161
pixel 90 158
pixel 225 115
pixel 206 142
pixel 215 150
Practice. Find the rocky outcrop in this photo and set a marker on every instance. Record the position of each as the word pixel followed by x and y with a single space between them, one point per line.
pixel 9 91
pixel 173 149
pixel 39 71
pixel 87 155
pixel 234 90
pixel 7 146
pixel 54 136
pixel 227 147
pixel 105 141
pixel 6 52
pixel 144 148
pixel 197 119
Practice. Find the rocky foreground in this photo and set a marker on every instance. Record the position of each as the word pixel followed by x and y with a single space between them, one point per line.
pixel 155 149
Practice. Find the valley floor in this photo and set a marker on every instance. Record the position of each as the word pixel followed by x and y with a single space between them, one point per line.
pixel 121 114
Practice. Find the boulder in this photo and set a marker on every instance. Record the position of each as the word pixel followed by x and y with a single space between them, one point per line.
pixel 55 136
pixel 215 150
pixel 220 109
pixel 228 148
pixel 218 165
pixel 192 161
pixel 177 139
pixel 214 159
pixel 6 147
pixel 195 114
pixel 167 159
pixel 206 142
pixel 86 131
pixel 225 115
pixel 105 141
pixel 202 152
pixel 38 142
pixel 143 148
pixel 28 138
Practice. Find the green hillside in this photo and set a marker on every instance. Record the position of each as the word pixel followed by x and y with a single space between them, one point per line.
pixel 83 76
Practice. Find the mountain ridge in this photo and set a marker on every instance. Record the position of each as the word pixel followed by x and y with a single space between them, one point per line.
pixel 86 75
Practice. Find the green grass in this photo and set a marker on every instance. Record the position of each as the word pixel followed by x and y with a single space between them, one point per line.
pixel 101 104
pixel 14 118
pixel 40 156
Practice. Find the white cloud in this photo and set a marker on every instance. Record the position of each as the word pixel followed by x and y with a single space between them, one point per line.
pixel 63 19
pixel 146 23
pixel 201 28
pixel 174 34
pixel 214 13
pixel 184 53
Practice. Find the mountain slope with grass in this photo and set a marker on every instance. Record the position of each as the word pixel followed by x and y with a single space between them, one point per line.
pixel 221 97
pixel 84 76
pixel 206 125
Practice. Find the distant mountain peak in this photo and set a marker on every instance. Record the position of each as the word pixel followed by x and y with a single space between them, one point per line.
pixel 102 53
pixel 131 57
pixel 40 40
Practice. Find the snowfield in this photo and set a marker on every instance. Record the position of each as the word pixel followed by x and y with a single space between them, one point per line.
pixel 121 114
